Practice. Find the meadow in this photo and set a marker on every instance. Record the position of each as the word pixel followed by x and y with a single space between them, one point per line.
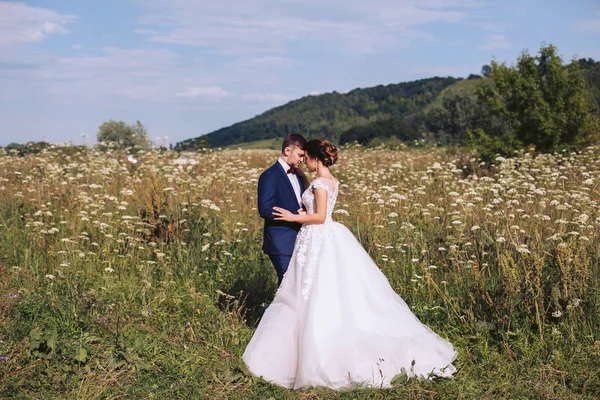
pixel 141 275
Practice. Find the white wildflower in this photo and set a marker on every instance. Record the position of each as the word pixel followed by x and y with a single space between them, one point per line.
pixel 556 332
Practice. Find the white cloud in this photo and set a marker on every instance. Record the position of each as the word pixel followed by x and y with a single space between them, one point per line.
pixel 269 98
pixel 149 74
pixel 231 35
pixel 213 92
pixel 266 61
pixel 257 70
pixel 77 46
pixel 247 26
pixel 496 42
pixel 22 23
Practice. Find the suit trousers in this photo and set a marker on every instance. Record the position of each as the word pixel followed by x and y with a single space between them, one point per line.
pixel 281 263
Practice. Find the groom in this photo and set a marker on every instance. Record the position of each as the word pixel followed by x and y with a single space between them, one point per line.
pixel 282 185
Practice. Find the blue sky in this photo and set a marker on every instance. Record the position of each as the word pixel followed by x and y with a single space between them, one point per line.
pixel 188 67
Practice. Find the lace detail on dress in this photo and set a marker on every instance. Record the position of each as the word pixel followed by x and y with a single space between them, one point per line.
pixel 308 197
pixel 314 241
pixel 310 238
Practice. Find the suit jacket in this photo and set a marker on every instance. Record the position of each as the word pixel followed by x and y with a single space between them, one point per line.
pixel 275 189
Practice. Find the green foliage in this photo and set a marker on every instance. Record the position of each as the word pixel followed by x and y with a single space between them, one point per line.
pixel 591 72
pixel 489 147
pixel 328 115
pixel 465 87
pixel 400 128
pixel 198 143
pixel 21 150
pixel 458 114
pixel 272 144
pixel 542 102
pixel 33 148
pixel 444 121
pixel 123 135
pixel 486 71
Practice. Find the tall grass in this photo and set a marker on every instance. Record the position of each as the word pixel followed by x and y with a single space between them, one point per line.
pixel 142 276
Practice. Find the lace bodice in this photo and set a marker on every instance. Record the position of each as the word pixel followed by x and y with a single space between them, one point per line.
pixel 308 197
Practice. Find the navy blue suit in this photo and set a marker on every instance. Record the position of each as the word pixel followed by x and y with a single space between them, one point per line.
pixel 275 189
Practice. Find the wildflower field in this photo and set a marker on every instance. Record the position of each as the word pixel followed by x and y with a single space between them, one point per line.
pixel 142 276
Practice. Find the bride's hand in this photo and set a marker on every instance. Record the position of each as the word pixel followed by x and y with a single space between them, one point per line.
pixel 281 214
pixel 301 211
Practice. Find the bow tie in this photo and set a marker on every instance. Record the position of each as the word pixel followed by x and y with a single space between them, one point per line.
pixel 291 171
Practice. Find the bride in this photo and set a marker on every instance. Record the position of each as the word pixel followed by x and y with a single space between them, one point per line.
pixel 335 320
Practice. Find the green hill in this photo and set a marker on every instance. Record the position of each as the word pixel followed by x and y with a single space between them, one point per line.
pixel 443 107
pixel 329 114
pixel 460 87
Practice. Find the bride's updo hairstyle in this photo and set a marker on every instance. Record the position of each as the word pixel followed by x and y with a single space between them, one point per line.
pixel 322 150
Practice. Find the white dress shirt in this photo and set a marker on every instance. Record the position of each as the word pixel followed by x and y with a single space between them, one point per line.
pixel 294 180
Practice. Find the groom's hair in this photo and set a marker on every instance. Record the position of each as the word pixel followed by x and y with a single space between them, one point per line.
pixel 293 139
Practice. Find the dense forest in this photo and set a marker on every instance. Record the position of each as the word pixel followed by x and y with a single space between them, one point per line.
pixel 501 109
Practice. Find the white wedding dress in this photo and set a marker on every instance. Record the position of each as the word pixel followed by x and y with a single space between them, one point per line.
pixel 336 321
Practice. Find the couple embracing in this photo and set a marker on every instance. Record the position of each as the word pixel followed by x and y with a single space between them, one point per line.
pixel 335 320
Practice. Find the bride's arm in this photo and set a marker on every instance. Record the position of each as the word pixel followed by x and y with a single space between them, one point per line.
pixel 318 217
